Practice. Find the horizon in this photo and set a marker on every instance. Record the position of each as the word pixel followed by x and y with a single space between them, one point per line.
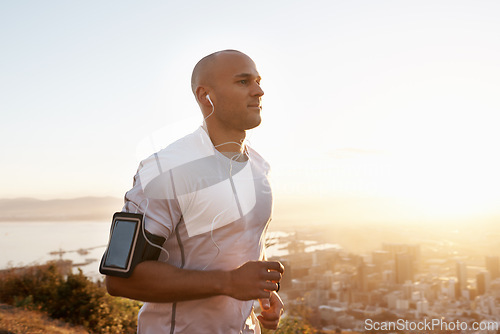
pixel 288 212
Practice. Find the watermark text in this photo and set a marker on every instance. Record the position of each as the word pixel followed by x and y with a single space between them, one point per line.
pixel 430 325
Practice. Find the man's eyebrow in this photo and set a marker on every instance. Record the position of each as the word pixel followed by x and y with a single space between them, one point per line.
pixel 247 75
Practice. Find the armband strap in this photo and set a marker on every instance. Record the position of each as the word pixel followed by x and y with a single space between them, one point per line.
pixel 127 245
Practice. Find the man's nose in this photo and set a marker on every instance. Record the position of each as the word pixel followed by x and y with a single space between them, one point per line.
pixel 258 91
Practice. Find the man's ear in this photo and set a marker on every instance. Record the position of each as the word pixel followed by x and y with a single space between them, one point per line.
pixel 201 96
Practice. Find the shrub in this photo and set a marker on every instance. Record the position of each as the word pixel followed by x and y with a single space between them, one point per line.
pixel 291 325
pixel 72 298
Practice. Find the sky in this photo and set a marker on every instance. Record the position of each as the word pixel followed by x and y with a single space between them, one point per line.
pixel 394 100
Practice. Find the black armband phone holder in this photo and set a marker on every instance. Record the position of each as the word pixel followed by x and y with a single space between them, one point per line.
pixel 127 246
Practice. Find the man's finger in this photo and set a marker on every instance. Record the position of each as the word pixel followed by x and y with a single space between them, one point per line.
pixel 274 265
pixel 264 303
pixel 270 286
pixel 268 324
pixel 264 294
pixel 272 276
pixel 270 315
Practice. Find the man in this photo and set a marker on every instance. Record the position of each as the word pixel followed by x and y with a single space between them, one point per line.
pixel 209 196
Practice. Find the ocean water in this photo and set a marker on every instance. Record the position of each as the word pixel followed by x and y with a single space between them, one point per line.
pixel 29 243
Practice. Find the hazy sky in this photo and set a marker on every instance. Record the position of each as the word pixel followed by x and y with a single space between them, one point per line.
pixel 388 99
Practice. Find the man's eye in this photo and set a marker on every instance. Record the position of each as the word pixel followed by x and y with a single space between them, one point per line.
pixel 244 82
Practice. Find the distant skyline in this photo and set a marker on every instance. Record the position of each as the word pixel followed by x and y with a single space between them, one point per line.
pixel 396 101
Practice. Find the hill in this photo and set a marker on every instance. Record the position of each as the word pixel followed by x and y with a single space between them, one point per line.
pixel 83 208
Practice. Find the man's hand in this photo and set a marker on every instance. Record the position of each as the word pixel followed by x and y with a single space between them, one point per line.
pixel 255 280
pixel 272 309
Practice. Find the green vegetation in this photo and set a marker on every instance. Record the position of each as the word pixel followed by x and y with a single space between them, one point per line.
pixel 291 325
pixel 72 298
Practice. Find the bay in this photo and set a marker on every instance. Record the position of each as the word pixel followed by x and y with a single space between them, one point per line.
pixel 30 243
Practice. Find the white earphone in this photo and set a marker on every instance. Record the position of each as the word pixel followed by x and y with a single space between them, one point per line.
pixel 209 100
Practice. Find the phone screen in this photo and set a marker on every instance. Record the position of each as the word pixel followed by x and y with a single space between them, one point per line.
pixel 120 245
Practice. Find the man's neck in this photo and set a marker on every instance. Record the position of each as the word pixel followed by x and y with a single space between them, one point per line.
pixel 226 140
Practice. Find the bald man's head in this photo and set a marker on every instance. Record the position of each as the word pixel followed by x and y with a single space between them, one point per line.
pixel 226 85
pixel 203 71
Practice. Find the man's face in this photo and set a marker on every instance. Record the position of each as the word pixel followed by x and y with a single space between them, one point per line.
pixel 236 92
